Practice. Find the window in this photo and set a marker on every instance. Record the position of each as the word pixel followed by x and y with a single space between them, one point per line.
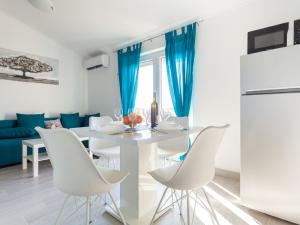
pixel 166 100
pixel 145 86
pixel 153 78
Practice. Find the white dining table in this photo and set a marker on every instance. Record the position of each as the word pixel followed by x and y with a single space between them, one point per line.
pixel 139 192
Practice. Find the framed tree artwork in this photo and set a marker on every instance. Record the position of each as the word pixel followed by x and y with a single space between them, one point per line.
pixel 25 67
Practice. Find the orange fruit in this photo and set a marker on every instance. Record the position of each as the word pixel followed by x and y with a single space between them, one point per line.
pixel 126 120
pixel 139 119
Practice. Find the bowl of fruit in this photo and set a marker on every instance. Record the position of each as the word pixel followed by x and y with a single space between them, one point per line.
pixel 132 120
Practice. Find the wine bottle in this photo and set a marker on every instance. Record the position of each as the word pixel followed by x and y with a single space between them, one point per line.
pixel 154 111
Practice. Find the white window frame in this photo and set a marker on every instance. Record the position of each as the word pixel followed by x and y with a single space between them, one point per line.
pixel 155 58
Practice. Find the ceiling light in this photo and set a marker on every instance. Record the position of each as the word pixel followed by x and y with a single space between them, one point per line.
pixel 43 5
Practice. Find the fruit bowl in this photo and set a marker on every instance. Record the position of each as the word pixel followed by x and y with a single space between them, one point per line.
pixel 132 120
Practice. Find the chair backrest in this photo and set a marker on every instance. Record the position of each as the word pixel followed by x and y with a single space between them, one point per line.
pixel 74 172
pixel 179 144
pixel 95 124
pixel 183 121
pixel 198 167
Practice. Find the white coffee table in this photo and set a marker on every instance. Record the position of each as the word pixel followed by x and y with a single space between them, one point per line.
pixel 36 157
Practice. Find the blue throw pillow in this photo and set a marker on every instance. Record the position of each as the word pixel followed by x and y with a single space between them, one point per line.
pixel 86 119
pixel 31 120
pixel 17 132
pixel 71 120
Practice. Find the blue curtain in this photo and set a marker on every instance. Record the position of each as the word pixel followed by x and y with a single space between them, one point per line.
pixel 180 54
pixel 128 66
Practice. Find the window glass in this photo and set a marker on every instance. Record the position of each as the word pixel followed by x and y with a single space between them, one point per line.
pixel 166 101
pixel 145 86
pixel 153 77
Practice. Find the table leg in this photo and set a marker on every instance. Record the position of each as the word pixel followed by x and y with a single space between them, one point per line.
pixel 139 192
pixel 24 157
pixel 35 161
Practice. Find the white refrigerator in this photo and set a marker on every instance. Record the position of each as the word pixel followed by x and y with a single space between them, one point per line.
pixel 270 132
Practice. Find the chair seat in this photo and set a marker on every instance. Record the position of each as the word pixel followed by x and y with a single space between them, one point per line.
pixel 177 158
pixel 107 152
pixel 163 175
pixel 112 176
pixel 169 152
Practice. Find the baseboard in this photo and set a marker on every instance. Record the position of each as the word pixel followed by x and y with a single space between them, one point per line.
pixel 227 173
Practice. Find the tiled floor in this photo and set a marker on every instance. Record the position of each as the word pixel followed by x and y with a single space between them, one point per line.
pixel 35 201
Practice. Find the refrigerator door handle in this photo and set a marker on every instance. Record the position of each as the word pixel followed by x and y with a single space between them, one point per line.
pixel 272 91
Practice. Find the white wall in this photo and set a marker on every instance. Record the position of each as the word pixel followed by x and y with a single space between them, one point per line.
pixel 220 43
pixel 69 96
pixel 103 83
pixel 103 88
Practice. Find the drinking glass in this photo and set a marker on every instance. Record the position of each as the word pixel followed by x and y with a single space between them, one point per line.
pixel 118 114
pixel 165 115
pixel 132 117
pixel 147 116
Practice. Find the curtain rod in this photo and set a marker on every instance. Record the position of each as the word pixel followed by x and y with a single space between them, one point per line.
pixel 158 35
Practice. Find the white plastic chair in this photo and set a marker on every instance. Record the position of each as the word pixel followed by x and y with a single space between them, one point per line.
pixel 74 172
pixel 97 122
pixel 195 171
pixel 172 147
pixel 102 148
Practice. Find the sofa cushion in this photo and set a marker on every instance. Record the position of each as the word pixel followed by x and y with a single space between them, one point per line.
pixel 70 120
pixel 8 123
pixel 31 120
pixel 86 118
pixel 11 150
pixel 17 132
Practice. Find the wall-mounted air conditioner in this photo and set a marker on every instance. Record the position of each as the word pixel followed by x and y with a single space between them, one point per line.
pixel 96 62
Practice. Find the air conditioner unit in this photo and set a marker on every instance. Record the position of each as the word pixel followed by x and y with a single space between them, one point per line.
pixel 96 62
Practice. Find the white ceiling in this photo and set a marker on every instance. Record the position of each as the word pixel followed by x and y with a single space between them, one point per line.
pixel 89 26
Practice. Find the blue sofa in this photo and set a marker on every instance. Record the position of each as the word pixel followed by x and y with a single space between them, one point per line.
pixel 11 146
